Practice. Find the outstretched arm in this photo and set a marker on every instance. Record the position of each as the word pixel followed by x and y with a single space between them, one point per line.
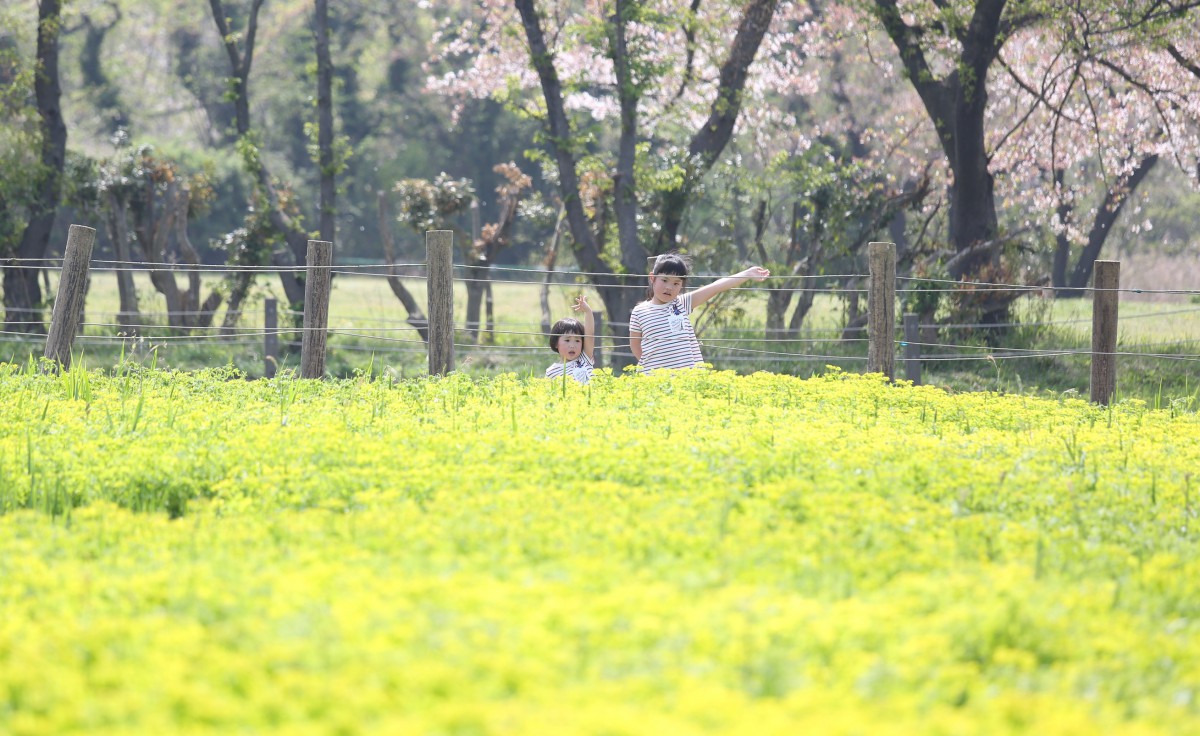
pixel 708 291
pixel 589 325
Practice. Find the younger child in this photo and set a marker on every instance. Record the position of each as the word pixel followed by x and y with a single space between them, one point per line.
pixel 660 332
pixel 573 341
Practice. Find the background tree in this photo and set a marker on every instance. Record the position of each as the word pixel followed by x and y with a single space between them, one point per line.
pixel 241 60
pixel 96 23
pixel 1090 121
pixel 325 153
pixel 949 54
pixel 650 64
pixel 22 292
pixel 441 204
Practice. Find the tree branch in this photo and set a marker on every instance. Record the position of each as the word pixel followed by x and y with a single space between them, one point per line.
pixel 689 33
pixel 710 139
pixel 633 255
pixel 934 94
pixel 1183 61
pixel 560 137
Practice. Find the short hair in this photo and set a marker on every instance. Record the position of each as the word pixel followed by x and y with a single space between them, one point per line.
pixel 565 326
pixel 671 264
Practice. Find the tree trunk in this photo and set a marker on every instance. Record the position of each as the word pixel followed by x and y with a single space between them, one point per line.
pixel 325 160
pixel 489 308
pixel 476 286
pixel 1062 244
pixel 22 293
pixel 956 105
pixel 548 264
pixel 154 230
pixel 118 232
pixel 296 239
pixel 972 198
pixel 777 301
pixel 197 314
pixel 416 318
pixel 624 183
pixel 804 302
pixel 1114 201
pixel 712 137
pixel 240 284
pixel 105 95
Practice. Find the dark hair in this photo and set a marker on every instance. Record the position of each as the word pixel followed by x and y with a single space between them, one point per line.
pixel 669 264
pixel 565 326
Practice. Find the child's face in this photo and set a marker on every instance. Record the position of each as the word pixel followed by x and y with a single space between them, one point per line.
pixel 570 346
pixel 666 288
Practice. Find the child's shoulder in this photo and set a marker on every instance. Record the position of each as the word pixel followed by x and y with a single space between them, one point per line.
pixel 651 304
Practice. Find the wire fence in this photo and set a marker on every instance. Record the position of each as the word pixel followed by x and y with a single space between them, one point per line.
pixel 519 342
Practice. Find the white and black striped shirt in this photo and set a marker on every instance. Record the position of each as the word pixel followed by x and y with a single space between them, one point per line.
pixel 580 369
pixel 668 340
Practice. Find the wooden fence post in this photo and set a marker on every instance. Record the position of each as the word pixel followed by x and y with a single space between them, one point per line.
pixel 599 354
pixel 881 310
pixel 316 308
pixel 72 285
pixel 439 260
pixel 912 351
pixel 1104 330
pixel 270 338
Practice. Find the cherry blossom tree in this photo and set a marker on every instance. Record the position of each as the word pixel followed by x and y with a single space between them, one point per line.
pixel 675 84
pixel 1082 92
pixel 1091 107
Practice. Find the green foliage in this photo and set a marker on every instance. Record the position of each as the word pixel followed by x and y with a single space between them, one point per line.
pixel 664 170
pixel 342 150
pixel 426 205
pixel 20 139
pixel 836 194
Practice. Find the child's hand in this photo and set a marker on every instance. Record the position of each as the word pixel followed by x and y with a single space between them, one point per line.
pixel 581 304
pixel 758 273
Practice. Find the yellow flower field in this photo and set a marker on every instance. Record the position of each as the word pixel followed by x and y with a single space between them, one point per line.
pixel 701 553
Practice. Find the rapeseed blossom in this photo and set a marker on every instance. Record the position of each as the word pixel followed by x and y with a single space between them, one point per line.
pixel 183 553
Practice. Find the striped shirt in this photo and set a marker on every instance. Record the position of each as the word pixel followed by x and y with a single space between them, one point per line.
pixel 580 369
pixel 668 340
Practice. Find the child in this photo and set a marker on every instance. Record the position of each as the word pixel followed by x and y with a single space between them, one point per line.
pixel 660 332
pixel 573 341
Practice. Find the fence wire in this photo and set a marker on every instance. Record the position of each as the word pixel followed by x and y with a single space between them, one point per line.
pixel 731 344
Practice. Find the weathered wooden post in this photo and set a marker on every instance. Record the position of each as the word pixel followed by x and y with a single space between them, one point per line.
pixel 72 285
pixel 1104 330
pixel 599 322
pixel 439 260
pixel 270 338
pixel 912 351
pixel 881 310
pixel 316 308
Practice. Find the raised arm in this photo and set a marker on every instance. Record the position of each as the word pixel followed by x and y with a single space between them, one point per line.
pixel 708 291
pixel 589 325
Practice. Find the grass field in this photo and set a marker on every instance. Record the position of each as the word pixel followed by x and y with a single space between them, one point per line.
pixel 689 554
pixel 369 328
